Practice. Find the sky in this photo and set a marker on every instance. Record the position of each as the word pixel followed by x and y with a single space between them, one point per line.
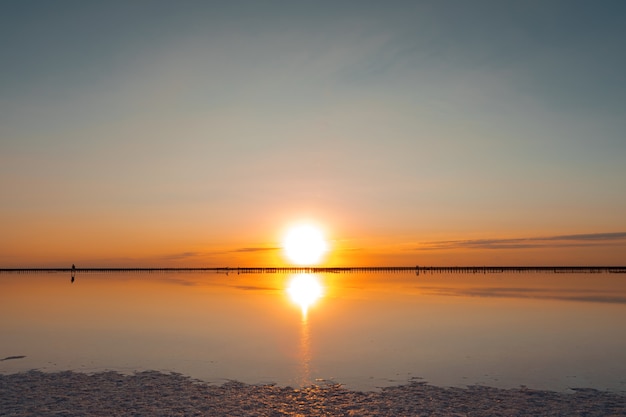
pixel 194 133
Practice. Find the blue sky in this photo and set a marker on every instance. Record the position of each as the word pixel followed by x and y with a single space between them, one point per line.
pixel 198 126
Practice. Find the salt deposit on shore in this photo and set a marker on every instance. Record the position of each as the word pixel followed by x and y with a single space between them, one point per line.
pixel 156 394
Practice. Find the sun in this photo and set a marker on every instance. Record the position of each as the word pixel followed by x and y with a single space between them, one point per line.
pixel 304 244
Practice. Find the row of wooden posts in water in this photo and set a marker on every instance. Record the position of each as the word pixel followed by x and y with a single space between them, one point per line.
pixel 338 270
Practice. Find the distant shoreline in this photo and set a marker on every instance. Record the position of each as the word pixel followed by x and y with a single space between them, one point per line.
pixel 336 270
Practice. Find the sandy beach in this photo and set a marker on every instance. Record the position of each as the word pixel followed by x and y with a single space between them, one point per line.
pixel 152 393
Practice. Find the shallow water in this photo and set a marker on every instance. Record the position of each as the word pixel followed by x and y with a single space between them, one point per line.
pixel 545 331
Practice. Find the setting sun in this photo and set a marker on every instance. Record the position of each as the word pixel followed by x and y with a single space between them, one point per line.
pixel 304 244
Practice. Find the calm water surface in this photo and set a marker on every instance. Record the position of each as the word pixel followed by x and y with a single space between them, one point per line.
pixel 546 331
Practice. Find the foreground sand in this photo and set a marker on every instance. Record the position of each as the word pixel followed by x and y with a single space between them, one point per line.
pixel 156 394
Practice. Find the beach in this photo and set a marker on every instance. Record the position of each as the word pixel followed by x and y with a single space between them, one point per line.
pixel 36 393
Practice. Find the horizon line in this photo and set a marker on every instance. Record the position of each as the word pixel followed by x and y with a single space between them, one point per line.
pixel 341 269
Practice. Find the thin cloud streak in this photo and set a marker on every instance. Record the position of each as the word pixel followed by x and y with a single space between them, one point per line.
pixel 589 236
pixel 558 241
pixel 192 254
pixel 183 255
pixel 253 249
pixel 255 288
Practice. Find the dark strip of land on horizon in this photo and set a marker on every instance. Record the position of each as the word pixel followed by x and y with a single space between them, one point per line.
pixel 337 270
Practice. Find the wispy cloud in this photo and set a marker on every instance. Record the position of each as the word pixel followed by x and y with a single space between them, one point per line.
pixel 588 237
pixel 182 255
pixel 576 240
pixel 206 254
pixel 255 288
pixel 255 249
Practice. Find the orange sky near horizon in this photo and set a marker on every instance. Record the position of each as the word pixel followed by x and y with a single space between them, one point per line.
pixel 145 246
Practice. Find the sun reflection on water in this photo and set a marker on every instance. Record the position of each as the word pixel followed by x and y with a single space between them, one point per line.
pixel 304 290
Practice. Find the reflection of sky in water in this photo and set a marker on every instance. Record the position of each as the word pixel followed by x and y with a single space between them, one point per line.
pixel 544 331
pixel 584 295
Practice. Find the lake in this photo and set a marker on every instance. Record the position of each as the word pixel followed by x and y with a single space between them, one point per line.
pixel 545 331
